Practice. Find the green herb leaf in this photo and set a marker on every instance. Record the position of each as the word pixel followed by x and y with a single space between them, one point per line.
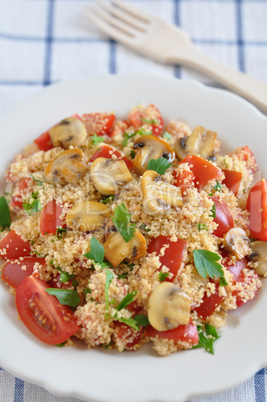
pixel 61 345
pixel 205 263
pixel 110 198
pixel 123 276
pixel 96 252
pixel 65 277
pixel 109 277
pixel 5 220
pixel 97 139
pixel 160 165
pixel 128 136
pixel 206 338
pixel 132 153
pixel 202 226
pixel 126 300
pixel 141 320
pixel 152 121
pixel 144 227
pixel 59 232
pixel 222 281
pixel 87 290
pixel 67 297
pixel 167 136
pixel 163 276
pixel 128 321
pixel 38 182
pixel 213 211
pixel 34 206
pixel 121 220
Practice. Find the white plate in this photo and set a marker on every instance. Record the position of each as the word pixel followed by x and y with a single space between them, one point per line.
pixel 140 376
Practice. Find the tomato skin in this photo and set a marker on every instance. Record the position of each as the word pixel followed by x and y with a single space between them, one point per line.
pixel 106 152
pixel 44 142
pixel 99 123
pixel 257 207
pixel 125 332
pixel 18 200
pixel 209 304
pixel 203 170
pixel 186 333
pixel 12 273
pixel 173 256
pixel 42 314
pixel 232 180
pixel 223 218
pixel 50 218
pixel 12 247
pixel 183 179
pixel 151 112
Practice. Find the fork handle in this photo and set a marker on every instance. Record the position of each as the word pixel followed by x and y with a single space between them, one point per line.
pixel 244 85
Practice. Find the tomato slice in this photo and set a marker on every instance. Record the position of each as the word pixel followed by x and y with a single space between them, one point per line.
pixel 44 142
pixel 173 256
pixel 257 207
pixel 106 152
pixel 209 304
pixel 50 218
pixel 232 180
pixel 12 247
pixel 185 333
pixel 183 179
pixel 99 123
pixel 42 314
pixel 125 332
pixel 23 185
pixel 15 271
pixel 147 115
pixel 203 170
pixel 223 217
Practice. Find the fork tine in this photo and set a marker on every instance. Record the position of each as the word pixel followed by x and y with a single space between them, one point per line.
pixel 143 16
pixel 122 15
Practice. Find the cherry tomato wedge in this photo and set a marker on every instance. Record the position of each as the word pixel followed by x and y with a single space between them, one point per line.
pixel 232 180
pixel 50 218
pixel 44 142
pixel 185 333
pixel 106 152
pixel 12 247
pixel 257 207
pixel 246 155
pixel 42 314
pixel 223 217
pixel 98 123
pixel 15 271
pixel 203 170
pixel 173 256
pixel 147 115
pixel 125 332
pixel 209 304
pixel 23 185
pixel 183 179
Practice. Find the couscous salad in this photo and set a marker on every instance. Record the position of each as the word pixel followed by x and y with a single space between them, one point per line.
pixel 116 233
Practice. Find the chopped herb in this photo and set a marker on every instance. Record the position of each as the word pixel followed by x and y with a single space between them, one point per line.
pixel 131 266
pixel 218 187
pixel 87 290
pixel 205 263
pixel 121 220
pixel 213 211
pixel 141 320
pixel 132 153
pixel 109 277
pixel 126 300
pixel 59 232
pixel 160 165
pixel 222 281
pixel 74 283
pixel 225 162
pixel 152 121
pixel 163 276
pixel 96 253
pixel 96 139
pixel 144 227
pixel 128 136
pixel 206 338
pixel 36 253
pixel 113 302
pixel 34 206
pixel 202 226
pixel 5 220
pixel 52 240
pixel 123 276
pixel 65 276
pixel 67 297
pixel 61 345
pixel 167 136
pixel 38 182
pixel 128 321
pixel 107 199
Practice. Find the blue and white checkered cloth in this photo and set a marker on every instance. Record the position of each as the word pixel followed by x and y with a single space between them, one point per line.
pixel 44 41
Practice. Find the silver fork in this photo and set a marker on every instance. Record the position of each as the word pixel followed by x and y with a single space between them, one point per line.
pixel 166 43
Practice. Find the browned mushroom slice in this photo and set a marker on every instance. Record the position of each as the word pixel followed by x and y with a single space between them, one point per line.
pixel 88 216
pixel 109 176
pixel 200 142
pixel 70 131
pixel 237 243
pixel 259 255
pixel 117 249
pixel 149 147
pixel 158 194
pixel 168 307
pixel 67 167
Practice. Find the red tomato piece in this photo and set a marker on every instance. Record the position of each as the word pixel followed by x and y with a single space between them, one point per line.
pixel 44 142
pixel 183 179
pixel 244 154
pixel 209 304
pixel 43 315
pixel 257 207
pixel 106 152
pixel 99 123
pixel 203 170
pixel 125 332
pixel 12 247
pixel 56 283
pixel 23 185
pixel 223 217
pixel 185 333
pixel 50 218
pixel 147 115
pixel 232 180
pixel 173 256
pixel 15 271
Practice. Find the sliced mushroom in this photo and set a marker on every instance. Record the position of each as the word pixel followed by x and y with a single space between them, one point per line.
pixel 259 254
pixel 88 216
pixel 158 194
pixel 237 243
pixel 168 307
pixel 200 142
pixel 70 131
pixel 67 167
pixel 109 176
pixel 149 147
pixel 117 249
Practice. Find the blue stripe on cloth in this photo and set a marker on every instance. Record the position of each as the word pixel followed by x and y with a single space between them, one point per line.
pixel 19 390
pixel 49 39
pixel 241 60
pixel 177 71
pixel 112 57
pixel 259 384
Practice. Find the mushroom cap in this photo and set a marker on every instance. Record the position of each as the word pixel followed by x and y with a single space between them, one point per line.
pixel 88 216
pixel 259 254
pixel 70 131
pixel 237 242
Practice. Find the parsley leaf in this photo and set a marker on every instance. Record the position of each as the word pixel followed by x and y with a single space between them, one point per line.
pixel 109 277
pixel 205 263
pixel 97 139
pixel 128 321
pixel 34 206
pixel 213 211
pixel 163 276
pixel 132 153
pixel 96 253
pixel 38 182
pixel 5 220
pixel 128 136
pixel 152 121
pixel 126 300
pixel 67 297
pixel 217 187
pixel 107 199
pixel 59 232
pixel 222 281
pixel 202 226
pixel 167 136
pixel 206 338
pixel 141 320
pixel 121 220
pixel 160 165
